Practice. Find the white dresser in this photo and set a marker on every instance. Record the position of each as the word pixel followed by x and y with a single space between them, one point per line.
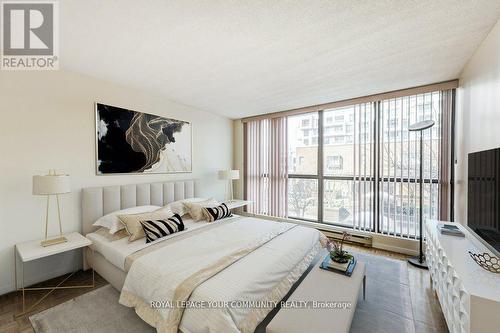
pixel 468 294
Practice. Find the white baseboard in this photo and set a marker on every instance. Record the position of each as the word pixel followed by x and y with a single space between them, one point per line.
pixel 392 248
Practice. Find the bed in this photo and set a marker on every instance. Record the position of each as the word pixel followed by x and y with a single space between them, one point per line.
pixel 225 276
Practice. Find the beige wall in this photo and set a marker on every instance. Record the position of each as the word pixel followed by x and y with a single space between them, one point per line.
pixel 478 112
pixel 47 121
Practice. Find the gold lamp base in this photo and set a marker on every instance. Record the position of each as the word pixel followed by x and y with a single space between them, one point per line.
pixel 53 241
pixel 61 238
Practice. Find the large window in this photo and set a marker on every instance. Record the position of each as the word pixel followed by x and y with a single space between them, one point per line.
pixel 357 166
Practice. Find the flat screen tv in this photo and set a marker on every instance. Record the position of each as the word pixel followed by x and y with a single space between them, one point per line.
pixel 483 208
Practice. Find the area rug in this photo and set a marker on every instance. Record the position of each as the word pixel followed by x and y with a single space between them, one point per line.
pixel 97 311
pixel 388 306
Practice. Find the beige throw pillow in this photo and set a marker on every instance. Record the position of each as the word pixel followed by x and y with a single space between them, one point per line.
pixel 196 208
pixel 132 222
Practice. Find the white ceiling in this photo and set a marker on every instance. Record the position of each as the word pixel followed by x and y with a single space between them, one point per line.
pixel 241 58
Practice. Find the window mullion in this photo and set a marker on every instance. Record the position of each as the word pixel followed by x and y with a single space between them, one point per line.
pixel 377 167
pixel 320 166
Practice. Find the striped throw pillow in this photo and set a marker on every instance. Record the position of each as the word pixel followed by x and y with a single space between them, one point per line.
pixel 217 213
pixel 156 229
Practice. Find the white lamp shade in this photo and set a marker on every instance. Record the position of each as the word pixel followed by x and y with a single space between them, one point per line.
pixel 229 174
pixel 51 184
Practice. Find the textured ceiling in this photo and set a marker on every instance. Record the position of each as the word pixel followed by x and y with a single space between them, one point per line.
pixel 241 58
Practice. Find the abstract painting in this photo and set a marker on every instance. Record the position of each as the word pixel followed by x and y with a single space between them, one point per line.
pixel 134 142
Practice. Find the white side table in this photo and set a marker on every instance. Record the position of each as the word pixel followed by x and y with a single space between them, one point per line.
pixel 233 204
pixel 33 250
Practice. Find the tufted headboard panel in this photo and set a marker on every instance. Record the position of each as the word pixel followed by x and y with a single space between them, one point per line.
pixel 99 201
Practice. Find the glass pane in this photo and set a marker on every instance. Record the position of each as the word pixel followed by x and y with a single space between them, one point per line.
pixel 303 198
pixel 400 153
pixel 338 206
pixel 349 203
pixel 303 144
pixel 348 141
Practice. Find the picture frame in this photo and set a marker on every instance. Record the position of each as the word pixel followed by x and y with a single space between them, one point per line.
pixel 133 142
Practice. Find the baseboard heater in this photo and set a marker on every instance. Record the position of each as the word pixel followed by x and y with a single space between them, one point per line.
pixel 365 240
pixel 355 239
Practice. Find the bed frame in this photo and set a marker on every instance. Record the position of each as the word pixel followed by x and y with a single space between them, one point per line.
pixel 99 201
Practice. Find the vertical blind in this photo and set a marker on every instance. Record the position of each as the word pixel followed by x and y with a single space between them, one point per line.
pixel 266 166
pixel 364 167
pixel 399 162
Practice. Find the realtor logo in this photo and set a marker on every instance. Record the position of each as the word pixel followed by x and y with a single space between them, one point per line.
pixel 30 35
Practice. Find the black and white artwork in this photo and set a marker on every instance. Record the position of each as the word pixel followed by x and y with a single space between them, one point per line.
pixel 135 142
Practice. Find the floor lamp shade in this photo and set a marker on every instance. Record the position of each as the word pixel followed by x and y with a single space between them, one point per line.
pixel 229 175
pixel 49 185
pixel 421 125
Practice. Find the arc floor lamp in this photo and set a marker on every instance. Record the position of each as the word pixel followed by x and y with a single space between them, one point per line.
pixel 419 261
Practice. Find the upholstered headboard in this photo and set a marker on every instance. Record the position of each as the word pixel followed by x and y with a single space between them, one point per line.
pixel 99 201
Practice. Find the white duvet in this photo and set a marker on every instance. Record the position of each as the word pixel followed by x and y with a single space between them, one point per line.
pixel 264 274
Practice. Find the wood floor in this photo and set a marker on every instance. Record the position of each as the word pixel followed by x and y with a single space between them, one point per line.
pixel 427 313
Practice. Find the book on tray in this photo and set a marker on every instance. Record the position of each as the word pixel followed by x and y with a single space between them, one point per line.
pixel 449 229
pixel 346 268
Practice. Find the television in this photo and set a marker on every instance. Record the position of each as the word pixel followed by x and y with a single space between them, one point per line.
pixel 483 207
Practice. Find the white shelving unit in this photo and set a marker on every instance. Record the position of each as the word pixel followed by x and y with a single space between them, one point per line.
pixel 468 294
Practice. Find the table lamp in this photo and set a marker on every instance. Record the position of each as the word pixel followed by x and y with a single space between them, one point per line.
pixel 50 185
pixel 229 175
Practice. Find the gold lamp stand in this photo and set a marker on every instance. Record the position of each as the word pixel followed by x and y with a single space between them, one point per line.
pixel 61 238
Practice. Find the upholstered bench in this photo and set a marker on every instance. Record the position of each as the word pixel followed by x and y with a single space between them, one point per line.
pixel 331 301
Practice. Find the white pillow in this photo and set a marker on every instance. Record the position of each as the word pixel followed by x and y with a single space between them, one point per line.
pixel 178 207
pixel 112 222
pixel 196 208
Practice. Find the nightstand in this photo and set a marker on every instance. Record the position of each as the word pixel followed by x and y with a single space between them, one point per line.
pixel 233 204
pixel 33 250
